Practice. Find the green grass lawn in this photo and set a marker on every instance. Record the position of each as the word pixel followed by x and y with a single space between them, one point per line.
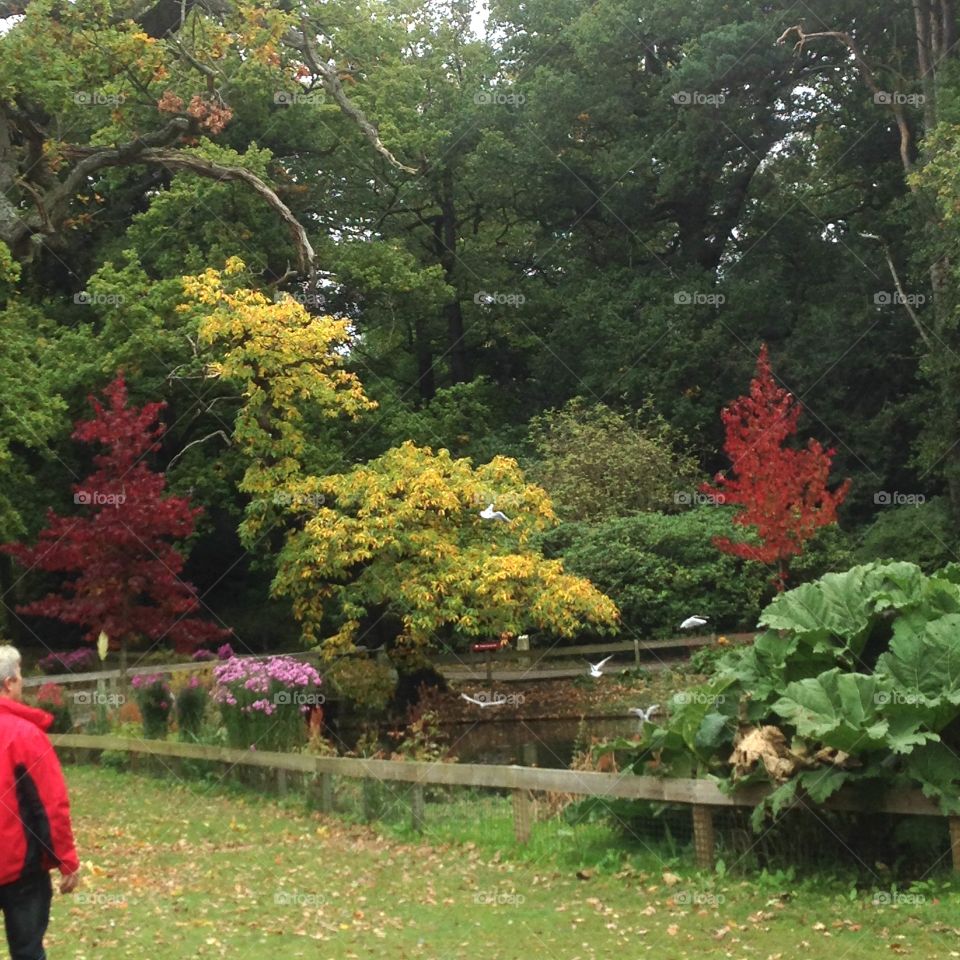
pixel 179 870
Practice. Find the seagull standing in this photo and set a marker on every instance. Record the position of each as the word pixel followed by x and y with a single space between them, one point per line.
pixel 692 623
pixel 484 703
pixel 488 513
pixel 596 669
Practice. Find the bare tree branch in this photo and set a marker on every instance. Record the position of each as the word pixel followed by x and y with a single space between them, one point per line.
pixel 869 77
pixel 331 83
pixel 209 436
pixel 177 160
pixel 903 299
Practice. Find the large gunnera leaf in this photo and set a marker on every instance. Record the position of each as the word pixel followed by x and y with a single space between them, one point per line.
pixel 840 608
pixel 844 711
pixel 922 667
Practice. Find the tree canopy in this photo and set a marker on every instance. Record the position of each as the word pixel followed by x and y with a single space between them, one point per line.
pixel 448 233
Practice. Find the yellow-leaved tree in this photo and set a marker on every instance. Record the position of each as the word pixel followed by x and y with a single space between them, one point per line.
pixel 400 539
pixel 287 364
pixel 403 536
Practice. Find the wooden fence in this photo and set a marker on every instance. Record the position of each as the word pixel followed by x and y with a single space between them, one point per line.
pixel 702 796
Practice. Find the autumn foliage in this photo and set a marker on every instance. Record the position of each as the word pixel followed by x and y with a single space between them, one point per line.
pixel 397 540
pixel 781 490
pixel 402 536
pixel 124 568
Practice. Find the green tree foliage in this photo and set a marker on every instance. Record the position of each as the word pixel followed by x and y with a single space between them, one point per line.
pixel 618 200
pixel 921 533
pixel 598 464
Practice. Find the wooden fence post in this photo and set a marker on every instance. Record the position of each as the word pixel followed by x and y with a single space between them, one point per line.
pixel 522 815
pixel 636 651
pixel 955 841
pixel 523 647
pixel 417 809
pixel 281 782
pixel 703 836
pixel 366 791
pixel 326 792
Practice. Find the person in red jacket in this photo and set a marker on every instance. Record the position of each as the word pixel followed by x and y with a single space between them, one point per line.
pixel 35 831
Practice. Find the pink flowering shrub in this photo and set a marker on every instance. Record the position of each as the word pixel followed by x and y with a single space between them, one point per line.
pixel 77 661
pixel 264 702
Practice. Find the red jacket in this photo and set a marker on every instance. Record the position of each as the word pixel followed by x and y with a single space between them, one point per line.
pixel 35 831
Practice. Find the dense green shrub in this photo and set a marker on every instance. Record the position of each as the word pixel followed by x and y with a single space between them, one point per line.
pixel 155 702
pixel 923 534
pixel 366 684
pixel 660 569
pixel 191 705
pixel 598 464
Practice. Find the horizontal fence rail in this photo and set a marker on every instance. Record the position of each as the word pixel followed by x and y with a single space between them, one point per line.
pixel 699 794
pixel 622 646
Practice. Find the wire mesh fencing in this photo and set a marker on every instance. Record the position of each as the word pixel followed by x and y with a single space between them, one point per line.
pixel 564 826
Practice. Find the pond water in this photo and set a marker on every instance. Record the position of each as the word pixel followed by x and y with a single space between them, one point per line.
pixel 529 743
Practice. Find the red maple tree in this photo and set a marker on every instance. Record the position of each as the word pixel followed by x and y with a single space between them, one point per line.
pixel 125 569
pixel 781 490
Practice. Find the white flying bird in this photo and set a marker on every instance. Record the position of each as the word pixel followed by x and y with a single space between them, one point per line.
pixel 596 669
pixel 692 622
pixel 488 513
pixel 484 703
pixel 645 715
